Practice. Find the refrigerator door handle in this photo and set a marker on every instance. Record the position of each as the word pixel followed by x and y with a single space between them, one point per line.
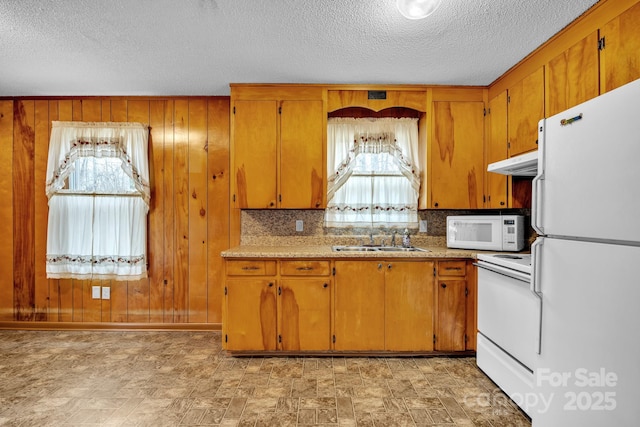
pixel 536 184
pixel 535 288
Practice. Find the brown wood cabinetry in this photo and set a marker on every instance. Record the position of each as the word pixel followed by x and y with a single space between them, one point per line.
pixel 304 306
pixel 409 306
pixel 267 311
pixel 525 110
pixel 456 159
pixel 496 150
pixel 278 153
pixel 453 324
pixel 250 298
pixel 359 305
pixel 572 76
pixel 620 51
pixel 384 305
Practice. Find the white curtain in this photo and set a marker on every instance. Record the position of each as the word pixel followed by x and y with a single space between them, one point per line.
pixel 98 188
pixel 374 172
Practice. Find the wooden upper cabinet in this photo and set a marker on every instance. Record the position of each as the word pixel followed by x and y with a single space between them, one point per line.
pixel 496 150
pixel 456 159
pixel 525 110
pixel 620 54
pixel 573 75
pixel 278 152
pixel 302 166
pixel 254 153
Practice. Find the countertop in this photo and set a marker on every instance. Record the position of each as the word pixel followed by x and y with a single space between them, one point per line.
pixel 324 251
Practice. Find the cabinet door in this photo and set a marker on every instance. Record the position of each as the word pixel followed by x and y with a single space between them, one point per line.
pixel 304 314
pixel 251 314
pixel 620 56
pixel 302 163
pixel 409 306
pixel 573 75
pixel 254 153
pixel 457 160
pixel 359 305
pixel 452 315
pixel 496 151
pixel 526 108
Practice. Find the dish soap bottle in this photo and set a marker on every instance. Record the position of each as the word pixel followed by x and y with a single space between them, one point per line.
pixel 406 239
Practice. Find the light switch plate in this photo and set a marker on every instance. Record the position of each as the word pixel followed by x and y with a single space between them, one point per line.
pixel 423 226
pixel 299 225
pixel 106 292
pixel 95 292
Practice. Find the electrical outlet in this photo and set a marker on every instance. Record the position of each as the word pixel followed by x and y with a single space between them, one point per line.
pixel 299 225
pixel 95 292
pixel 423 226
pixel 106 292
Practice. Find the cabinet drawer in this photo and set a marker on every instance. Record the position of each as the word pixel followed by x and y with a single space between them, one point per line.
pixel 452 268
pixel 304 268
pixel 251 268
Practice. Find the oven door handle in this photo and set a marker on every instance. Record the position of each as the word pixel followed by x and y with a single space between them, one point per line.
pixel 504 271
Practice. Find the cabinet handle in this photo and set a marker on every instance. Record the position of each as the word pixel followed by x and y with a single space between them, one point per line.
pixel 304 268
pixel 501 203
pixel 270 285
pixel 251 268
pixel 444 285
pixel 435 204
pixel 453 268
pixel 379 266
pixel 325 285
pixel 389 266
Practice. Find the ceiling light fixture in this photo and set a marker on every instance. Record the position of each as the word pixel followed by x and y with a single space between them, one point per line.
pixel 417 9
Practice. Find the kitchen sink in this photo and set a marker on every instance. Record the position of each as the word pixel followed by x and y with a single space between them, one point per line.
pixel 376 249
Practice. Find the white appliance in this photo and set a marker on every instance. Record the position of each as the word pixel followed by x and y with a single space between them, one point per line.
pixel 586 207
pixel 521 165
pixel 486 232
pixel 508 323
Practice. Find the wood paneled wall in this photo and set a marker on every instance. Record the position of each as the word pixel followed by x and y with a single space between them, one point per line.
pixel 188 222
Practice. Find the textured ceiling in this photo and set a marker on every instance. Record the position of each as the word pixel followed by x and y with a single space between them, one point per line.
pixel 198 47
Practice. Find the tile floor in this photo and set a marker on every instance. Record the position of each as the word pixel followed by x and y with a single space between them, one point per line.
pixel 145 378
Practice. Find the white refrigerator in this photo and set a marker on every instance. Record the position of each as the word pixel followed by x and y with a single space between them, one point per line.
pixel 586 263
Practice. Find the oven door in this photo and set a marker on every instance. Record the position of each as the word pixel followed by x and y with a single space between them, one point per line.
pixel 509 313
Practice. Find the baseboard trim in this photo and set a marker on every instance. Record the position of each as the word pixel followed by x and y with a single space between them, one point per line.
pixel 95 326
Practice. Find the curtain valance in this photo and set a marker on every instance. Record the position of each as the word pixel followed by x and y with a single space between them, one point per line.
pixel 73 140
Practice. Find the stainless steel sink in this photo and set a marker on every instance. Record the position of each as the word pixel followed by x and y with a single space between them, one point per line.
pixel 376 249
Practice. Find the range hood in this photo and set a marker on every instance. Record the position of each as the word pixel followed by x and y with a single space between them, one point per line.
pixel 522 165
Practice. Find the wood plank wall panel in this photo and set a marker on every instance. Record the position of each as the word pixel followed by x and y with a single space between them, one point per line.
pixel 218 198
pixel 188 223
pixel 23 209
pixel 6 210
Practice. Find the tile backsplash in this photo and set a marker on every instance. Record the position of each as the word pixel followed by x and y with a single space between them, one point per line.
pixel 278 226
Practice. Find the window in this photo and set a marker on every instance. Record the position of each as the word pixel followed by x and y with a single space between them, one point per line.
pixel 98 190
pixel 374 172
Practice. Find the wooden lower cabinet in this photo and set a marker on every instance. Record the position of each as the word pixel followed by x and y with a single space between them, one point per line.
pixel 359 305
pixel 355 305
pixel 455 291
pixel 384 305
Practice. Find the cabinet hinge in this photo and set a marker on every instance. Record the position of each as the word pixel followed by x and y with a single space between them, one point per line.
pixel 601 43
pixel 280 110
pixel 280 198
pixel 280 338
pixel 333 271
pixel 484 199
pixel 508 99
pixel 434 338
pixel 508 144
pixel 225 290
pixel 234 197
pixel 485 112
pixel 466 338
pixel 334 339
pixel 279 290
pixel 234 109
pixel 434 272
pixel 226 338
pixel 466 292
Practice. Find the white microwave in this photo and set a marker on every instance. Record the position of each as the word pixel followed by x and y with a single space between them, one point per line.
pixel 486 232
